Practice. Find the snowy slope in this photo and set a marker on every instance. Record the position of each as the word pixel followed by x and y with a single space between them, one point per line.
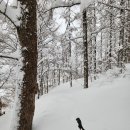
pixel 5 121
pixel 104 106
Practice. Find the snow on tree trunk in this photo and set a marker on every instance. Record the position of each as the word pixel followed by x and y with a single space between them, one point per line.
pixel 27 77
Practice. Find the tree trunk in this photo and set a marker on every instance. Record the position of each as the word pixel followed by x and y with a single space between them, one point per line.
pixel 0 107
pixel 110 38
pixel 122 32
pixel 58 68
pixel 127 37
pixel 70 65
pixel 101 50
pixel 85 48
pixel 41 81
pixel 94 40
pixel 27 78
pixel 47 77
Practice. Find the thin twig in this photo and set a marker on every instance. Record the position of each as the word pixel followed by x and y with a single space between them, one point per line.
pixel 8 57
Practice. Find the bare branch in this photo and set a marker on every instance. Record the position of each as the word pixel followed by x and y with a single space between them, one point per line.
pixel 8 18
pixel 10 12
pixel 6 79
pixel 8 57
pixel 114 6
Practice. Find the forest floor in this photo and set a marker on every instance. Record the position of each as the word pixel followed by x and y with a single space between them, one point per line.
pixel 105 105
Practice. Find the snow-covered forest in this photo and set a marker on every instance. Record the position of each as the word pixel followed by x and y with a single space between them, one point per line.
pixel 64 64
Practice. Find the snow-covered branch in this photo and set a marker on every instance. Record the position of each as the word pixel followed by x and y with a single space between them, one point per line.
pixel 62 4
pixel 114 6
pixel 84 4
pixel 12 12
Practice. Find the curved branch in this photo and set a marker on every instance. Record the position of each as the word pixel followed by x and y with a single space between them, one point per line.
pixel 63 6
pixel 11 12
pixel 8 18
pixel 114 6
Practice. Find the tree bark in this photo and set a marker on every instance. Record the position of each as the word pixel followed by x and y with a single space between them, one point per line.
pixel 94 40
pixel 0 107
pixel 122 33
pixel 69 29
pixel 110 37
pixel 27 83
pixel 85 48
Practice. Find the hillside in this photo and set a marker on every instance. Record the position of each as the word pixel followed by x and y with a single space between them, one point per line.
pixel 104 105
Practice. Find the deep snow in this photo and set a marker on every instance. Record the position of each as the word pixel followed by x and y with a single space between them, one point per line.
pixel 105 105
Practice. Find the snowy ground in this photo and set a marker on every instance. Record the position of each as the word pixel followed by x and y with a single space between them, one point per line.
pixel 104 106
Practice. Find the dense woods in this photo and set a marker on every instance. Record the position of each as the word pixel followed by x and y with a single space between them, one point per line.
pixel 57 42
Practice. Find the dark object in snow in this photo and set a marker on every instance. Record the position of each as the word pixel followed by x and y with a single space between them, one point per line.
pixel 2 113
pixel 0 107
pixel 79 124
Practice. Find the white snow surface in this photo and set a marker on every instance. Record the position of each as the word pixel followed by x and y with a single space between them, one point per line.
pixel 105 105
